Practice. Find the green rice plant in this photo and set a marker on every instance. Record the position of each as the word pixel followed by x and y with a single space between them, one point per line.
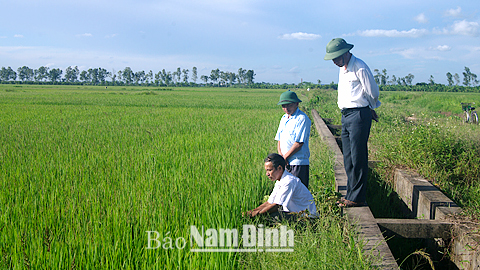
pixel 86 172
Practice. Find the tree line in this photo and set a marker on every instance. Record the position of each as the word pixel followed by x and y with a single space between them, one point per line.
pixel 101 76
pixel 241 78
pixel 469 79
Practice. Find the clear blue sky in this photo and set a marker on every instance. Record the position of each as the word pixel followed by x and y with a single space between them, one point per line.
pixel 282 41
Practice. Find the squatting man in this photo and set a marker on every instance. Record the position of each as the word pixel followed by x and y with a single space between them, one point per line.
pixel 289 194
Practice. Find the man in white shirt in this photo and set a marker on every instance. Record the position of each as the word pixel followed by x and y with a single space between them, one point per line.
pixel 357 98
pixel 289 194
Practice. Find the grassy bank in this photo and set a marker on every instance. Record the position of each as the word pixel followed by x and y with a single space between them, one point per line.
pixel 423 132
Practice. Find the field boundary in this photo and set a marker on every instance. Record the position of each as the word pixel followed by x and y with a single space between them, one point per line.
pixel 375 243
pixel 432 213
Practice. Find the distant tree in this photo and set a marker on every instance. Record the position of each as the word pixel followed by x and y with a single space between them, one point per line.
pixel 41 73
pixel 167 77
pixel 384 77
pixel 55 74
pixel 93 76
pixel 25 73
pixel 102 75
pixel 139 77
pixel 185 75
pixel 194 75
pixel 163 76
pixel 231 77
pixel 223 77
pixel 71 74
pixel 7 74
pixel 97 76
pixel 158 78
pixel 457 79
pixel 409 79
pixel 241 75
pixel 450 79
pixel 250 76
pixel 377 76
pixel 149 77
pixel 84 77
pixel 113 76
pixel 394 80
pixel 431 81
pixel 204 78
pixel 120 76
pixel 177 75
pixel 128 75
pixel 214 75
pixel 319 82
pixel 469 78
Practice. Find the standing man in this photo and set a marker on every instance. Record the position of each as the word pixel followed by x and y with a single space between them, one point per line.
pixel 357 98
pixel 292 136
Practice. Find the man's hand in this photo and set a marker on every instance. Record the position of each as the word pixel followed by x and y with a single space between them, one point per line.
pixel 265 207
pixel 374 115
pixel 295 148
pixel 250 213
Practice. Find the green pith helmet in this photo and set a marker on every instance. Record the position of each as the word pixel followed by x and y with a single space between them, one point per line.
pixel 288 97
pixel 336 47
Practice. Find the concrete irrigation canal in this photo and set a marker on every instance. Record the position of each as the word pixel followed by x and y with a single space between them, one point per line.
pixel 430 213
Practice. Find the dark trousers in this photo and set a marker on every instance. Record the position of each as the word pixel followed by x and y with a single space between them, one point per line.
pixel 300 171
pixel 356 125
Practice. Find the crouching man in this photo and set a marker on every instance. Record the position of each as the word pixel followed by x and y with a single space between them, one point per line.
pixel 289 194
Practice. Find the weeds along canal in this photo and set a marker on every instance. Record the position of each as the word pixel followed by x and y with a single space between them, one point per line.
pixel 384 202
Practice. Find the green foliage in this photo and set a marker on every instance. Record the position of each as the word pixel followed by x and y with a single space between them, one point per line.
pixel 86 171
pixel 423 87
pixel 423 132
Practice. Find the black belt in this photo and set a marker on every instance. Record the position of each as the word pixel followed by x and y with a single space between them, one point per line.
pixel 348 110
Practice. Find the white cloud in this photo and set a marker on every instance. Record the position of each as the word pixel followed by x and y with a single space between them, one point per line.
pixel 453 12
pixel 300 36
pixel 111 36
pixel 421 18
pixel 416 53
pixel 407 53
pixel 18 36
pixel 442 48
pixel 465 28
pixel 85 35
pixel 413 33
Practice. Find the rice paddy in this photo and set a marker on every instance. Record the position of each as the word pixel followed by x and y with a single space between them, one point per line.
pixel 86 172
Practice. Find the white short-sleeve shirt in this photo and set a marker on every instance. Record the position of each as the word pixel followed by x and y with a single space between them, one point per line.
pixel 295 128
pixel 292 195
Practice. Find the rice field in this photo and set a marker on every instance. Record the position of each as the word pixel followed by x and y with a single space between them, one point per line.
pixel 86 172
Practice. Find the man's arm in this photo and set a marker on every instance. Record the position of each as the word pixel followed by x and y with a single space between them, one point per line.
pixel 369 86
pixel 295 148
pixel 265 207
